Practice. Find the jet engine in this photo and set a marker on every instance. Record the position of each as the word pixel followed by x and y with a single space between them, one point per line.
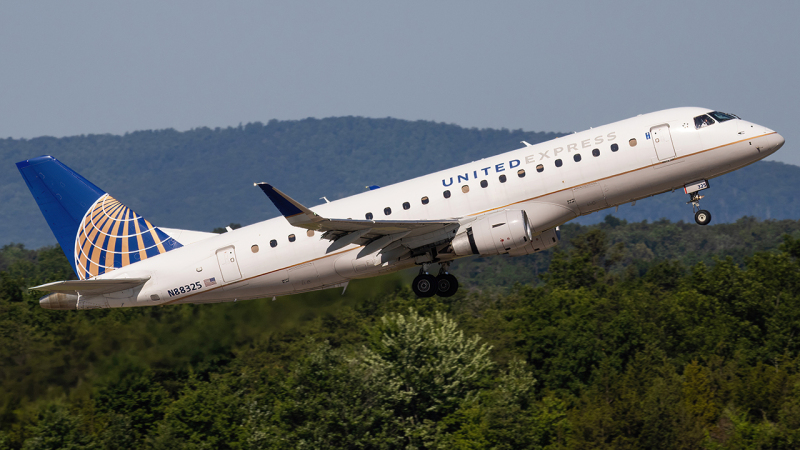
pixel 541 242
pixel 494 234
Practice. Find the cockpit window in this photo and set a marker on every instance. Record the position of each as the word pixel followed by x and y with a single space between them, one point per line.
pixel 703 121
pixel 722 117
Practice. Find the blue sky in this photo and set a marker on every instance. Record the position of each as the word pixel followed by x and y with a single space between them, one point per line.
pixel 78 67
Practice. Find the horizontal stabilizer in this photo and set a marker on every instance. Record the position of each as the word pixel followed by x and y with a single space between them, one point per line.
pixel 92 287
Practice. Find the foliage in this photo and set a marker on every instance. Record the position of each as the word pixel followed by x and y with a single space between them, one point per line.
pixel 682 342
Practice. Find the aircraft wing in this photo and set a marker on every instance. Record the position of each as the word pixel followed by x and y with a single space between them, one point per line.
pixel 93 287
pixel 375 234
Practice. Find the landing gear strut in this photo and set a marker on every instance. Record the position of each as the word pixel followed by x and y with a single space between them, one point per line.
pixel 701 216
pixel 426 285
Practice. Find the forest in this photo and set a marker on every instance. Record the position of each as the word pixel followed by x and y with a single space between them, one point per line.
pixel 627 335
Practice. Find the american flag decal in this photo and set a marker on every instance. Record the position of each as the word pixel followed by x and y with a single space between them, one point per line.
pixel 210 281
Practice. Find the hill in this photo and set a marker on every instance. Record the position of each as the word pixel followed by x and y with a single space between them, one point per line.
pixel 202 178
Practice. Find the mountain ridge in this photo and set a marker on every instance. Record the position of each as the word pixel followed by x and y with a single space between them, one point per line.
pixel 202 178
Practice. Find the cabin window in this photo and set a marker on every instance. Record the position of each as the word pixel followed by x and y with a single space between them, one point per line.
pixel 368 216
pixel 425 200
pixel 406 205
pixel 576 157
pixel 502 178
pixel 521 173
pixel 465 188
pixel 292 238
pixel 540 168
pixel 484 183
pixel 703 121
pixel 596 152
pixel 254 248
pixel 310 233
pixel 387 211
pixel 446 194
pixel 559 163
pixel 632 142
pixel 273 243
pixel 614 147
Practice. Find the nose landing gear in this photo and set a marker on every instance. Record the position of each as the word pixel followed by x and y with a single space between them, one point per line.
pixel 701 216
pixel 426 285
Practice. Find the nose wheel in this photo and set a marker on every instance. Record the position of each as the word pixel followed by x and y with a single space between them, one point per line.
pixel 701 216
pixel 426 285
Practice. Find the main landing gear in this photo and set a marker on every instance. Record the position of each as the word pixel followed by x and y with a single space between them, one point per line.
pixel 443 285
pixel 701 216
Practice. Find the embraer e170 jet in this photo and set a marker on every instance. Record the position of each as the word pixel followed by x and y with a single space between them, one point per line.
pixel 510 204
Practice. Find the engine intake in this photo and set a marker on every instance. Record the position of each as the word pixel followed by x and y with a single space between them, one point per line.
pixel 494 234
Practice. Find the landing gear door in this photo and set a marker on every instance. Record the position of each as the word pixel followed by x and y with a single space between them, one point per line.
pixel 662 141
pixel 228 264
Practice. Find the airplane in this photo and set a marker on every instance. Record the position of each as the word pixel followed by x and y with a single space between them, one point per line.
pixel 511 203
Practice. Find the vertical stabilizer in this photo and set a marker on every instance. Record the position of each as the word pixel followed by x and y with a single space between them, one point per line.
pixel 96 232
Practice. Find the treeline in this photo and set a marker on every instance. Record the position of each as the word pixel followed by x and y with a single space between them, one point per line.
pixel 606 350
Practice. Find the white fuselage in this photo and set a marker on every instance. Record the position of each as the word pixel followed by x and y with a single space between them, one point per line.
pixel 244 265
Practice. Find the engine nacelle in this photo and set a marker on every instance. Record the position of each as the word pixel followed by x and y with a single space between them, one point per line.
pixel 541 242
pixel 494 234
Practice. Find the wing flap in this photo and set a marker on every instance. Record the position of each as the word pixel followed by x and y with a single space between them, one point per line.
pixel 93 287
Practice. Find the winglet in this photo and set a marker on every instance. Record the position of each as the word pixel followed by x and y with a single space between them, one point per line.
pixel 297 214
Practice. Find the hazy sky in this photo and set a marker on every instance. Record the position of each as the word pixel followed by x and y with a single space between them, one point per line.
pixel 70 68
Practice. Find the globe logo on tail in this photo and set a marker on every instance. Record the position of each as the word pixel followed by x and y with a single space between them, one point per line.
pixel 111 236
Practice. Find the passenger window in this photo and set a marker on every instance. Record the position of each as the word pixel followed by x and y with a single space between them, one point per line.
pixel 502 178
pixel 254 248
pixel 273 243
pixel 632 142
pixel 521 173
pixel 484 183
pixel 540 168
pixel 465 188
pixel 425 200
pixel 614 147
pixel 387 211
pixel 368 216
pixel 577 157
pixel 446 194
pixel 559 163
pixel 292 238
pixel 703 121
pixel 596 152
pixel 310 233
pixel 406 205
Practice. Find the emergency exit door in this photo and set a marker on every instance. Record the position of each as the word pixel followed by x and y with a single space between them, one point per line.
pixel 228 264
pixel 662 140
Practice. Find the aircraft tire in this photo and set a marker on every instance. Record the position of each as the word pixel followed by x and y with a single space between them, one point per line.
pixel 446 285
pixel 702 217
pixel 424 285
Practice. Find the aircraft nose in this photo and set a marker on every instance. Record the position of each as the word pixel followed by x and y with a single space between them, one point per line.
pixel 778 141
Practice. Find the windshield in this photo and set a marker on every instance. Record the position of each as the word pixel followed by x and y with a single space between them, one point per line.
pixel 703 121
pixel 722 117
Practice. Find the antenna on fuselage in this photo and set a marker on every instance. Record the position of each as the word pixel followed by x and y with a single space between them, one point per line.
pixel 325 198
pixel 526 144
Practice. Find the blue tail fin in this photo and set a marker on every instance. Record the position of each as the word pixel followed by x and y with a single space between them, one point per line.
pixel 96 232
